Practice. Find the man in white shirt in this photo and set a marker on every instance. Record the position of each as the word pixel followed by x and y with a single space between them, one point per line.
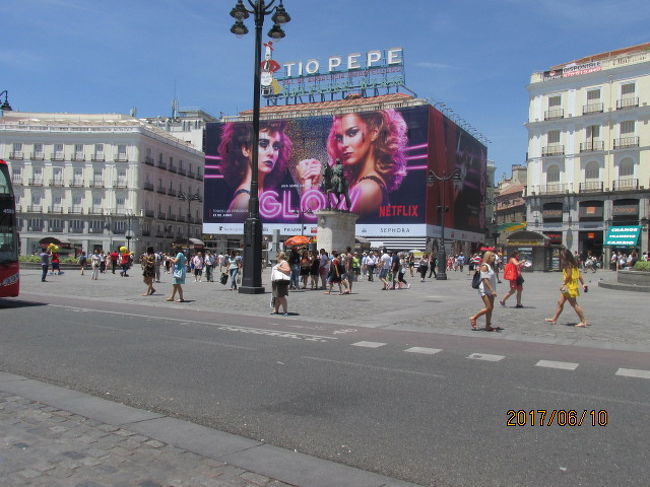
pixel 385 262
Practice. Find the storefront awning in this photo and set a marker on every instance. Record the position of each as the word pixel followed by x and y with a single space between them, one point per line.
pixel 196 241
pixel 623 236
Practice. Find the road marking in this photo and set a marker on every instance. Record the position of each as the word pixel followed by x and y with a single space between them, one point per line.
pixel 219 326
pixel 424 350
pixel 375 367
pixel 552 364
pixel 368 344
pixel 486 356
pixel 637 373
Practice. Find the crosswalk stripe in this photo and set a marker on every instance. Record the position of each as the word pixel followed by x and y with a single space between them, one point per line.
pixel 486 356
pixel 427 351
pixel 552 364
pixel 368 344
pixel 638 373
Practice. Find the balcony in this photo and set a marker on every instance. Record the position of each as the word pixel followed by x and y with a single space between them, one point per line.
pixel 58 209
pixel 37 156
pixel 161 165
pixel 146 233
pixel 96 211
pixel 554 188
pixel 172 168
pixel 121 158
pixel 76 229
pixel 627 184
pixel 78 156
pixel 57 156
pixel 631 102
pixel 34 209
pixel 98 157
pixel 148 161
pixel 592 146
pixel 95 230
pixel 591 187
pixel 593 108
pixel 148 186
pixel 56 183
pixel 149 213
pixel 76 184
pixel 182 171
pixel 17 181
pixel 76 210
pixel 553 150
pixel 16 156
pixel 55 229
pixel 171 192
pixel 161 216
pixel 626 142
pixel 120 185
pixel 97 184
pixel 35 182
pixel 161 190
pixel 554 114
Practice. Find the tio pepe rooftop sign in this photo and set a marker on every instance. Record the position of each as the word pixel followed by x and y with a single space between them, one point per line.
pixel 353 61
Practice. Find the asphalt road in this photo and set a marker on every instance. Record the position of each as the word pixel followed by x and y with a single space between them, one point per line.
pixel 435 415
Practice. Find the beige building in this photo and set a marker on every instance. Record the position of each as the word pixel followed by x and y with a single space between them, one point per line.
pixel 100 181
pixel 510 209
pixel 589 148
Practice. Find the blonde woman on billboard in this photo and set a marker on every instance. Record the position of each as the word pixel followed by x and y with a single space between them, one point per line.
pixel 371 147
pixel 274 149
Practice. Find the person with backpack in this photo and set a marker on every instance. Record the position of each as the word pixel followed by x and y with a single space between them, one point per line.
pixel 487 289
pixel 337 272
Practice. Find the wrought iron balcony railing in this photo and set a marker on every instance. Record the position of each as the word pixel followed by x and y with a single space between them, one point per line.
pixel 592 146
pixel 626 142
pixel 593 108
pixel 628 102
pixel 553 150
pixel 554 113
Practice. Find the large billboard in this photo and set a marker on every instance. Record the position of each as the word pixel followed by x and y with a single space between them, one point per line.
pixel 384 157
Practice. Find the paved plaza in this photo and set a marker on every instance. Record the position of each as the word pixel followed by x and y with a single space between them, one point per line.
pixel 618 318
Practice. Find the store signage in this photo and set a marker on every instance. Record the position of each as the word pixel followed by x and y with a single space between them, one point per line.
pixel 573 70
pixel 624 236
pixel 355 60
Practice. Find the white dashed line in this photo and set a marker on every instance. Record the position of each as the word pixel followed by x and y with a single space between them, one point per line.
pixel 637 373
pixel 486 356
pixel 552 364
pixel 368 344
pixel 424 350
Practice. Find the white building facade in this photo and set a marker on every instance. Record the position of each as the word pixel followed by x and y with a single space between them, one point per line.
pixel 589 148
pixel 100 181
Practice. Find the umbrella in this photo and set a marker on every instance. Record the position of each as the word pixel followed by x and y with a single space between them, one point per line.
pixel 297 240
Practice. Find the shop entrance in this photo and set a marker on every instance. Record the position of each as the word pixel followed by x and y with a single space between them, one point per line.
pixel 591 243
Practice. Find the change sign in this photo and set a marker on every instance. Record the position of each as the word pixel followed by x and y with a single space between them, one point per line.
pixel 626 236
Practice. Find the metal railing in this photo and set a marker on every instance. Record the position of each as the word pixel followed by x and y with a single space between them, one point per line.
pixel 554 113
pixel 148 186
pixel 592 146
pixel 553 188
pixel 57 183
pixel 172 168
pixel 18 156
pixel 37 156
pixel 76 184
pixel 34 208
pixel 593 108
pixel 96 211
pixel 148 160
pixel 161 190
pixel 77 210
pixel 626 142
pixel 626 184
pixel 57 156
pixel 97 184
pixel 121 158
pixel 149 213
pixel 56 209
pixel 98 157
pixel 35 182
pixel 78 156
pixel 120 185
pixel 553 150
pixel 628 102
pixel 591 187
pixel 161 165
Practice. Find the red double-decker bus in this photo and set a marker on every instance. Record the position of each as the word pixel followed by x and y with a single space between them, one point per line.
pixel 9 271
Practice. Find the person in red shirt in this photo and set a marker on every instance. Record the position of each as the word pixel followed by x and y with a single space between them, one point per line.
pixel 114 258
pixel 125 259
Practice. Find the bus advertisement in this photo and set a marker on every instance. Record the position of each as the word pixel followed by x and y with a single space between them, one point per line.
pixel 9 271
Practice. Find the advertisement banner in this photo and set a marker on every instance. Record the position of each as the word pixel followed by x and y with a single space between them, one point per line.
pixel 382 156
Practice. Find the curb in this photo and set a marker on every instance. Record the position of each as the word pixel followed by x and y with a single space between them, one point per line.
pixel 284 465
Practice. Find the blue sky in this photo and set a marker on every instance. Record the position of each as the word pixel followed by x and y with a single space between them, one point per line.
pixel 476 56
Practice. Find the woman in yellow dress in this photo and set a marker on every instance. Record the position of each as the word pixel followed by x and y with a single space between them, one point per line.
pixel 570 289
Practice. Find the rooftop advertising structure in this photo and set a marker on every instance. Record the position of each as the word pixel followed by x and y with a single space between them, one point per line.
pixel 385 156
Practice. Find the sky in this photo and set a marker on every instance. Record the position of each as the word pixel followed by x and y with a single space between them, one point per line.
pixel 85 56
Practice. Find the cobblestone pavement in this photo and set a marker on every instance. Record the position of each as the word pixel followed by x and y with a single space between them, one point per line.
pixel 618 318
pixel 43 446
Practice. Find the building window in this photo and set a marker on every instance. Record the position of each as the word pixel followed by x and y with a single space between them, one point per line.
pixel 628 89
pixel 37 175
pixel 58 152
pixel 78 149
pixel 555 101
pixel 592 170
pixel 77 177
pixel 16 175
pixel 626 168
pixel 593 132
pixel 593 95
pixel 76 226
pixel 553 137
pixel 121 149
pixel 553 174
pixel 57 174
pixel 627 127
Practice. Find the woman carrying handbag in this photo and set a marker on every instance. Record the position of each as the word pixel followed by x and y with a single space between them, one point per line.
pixel 512 274
pixel 280 278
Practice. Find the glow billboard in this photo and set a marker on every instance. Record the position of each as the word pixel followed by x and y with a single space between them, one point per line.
pixel 384 157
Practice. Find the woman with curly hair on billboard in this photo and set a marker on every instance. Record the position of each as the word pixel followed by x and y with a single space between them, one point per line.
pixel 371 147
pixel 274 149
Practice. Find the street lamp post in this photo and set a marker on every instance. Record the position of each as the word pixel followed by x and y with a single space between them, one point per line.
pixel 252 276
pixel 129 230
pixel 189 197
pixel 5 107
pixel 442 208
